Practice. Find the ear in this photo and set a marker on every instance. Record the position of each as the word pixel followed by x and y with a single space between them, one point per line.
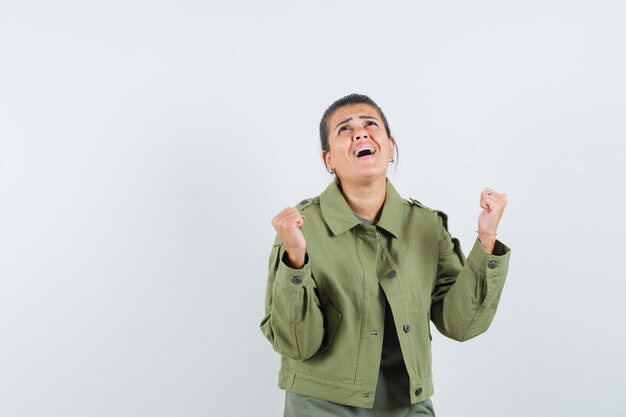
pixel 327 160
pixel 392 146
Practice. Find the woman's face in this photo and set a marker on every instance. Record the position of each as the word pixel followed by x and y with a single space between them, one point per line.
pixel 359 145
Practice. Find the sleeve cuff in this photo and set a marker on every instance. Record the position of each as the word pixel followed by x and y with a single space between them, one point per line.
pixel 294 277
pixel 496 263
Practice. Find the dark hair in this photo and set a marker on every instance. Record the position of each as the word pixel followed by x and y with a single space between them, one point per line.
pixel 348 100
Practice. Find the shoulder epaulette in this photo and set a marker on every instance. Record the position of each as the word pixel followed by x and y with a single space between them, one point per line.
pixel 306 202
pixel 417 203
pixel 444 216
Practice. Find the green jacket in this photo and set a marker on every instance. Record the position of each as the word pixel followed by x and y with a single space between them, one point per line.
pixel 326 319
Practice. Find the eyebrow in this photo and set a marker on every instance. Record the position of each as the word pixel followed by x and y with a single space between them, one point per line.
pixel 350 118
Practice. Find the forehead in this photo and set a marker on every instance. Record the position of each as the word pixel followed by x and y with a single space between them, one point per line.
pixel 354 111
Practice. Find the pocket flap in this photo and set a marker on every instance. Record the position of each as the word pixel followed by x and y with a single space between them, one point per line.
pixel 332 318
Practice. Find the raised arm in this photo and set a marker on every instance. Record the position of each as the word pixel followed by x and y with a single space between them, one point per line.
pixel 467 290
pixel 293 321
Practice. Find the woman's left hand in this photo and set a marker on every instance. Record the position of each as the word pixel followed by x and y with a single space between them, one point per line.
pixel 493 204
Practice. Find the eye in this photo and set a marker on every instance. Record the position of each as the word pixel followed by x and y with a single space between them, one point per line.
pixel 371 122
pixel 341 129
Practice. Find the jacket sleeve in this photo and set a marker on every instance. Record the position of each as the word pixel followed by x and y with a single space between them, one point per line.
pixel 467 291
pixel 293 321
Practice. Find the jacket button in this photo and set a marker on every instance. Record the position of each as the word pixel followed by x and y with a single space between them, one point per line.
pixel 406 328
pixel 392 274
pixel 304 202
pixel 296 280
pixel 492 264
pixel 418 391
pixel 377 236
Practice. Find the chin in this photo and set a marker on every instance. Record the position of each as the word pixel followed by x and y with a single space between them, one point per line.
pixel 369 174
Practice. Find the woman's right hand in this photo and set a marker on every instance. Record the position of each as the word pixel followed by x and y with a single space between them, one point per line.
pixel 287 224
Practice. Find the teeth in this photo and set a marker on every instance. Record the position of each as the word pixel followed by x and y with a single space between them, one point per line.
pixel 372 150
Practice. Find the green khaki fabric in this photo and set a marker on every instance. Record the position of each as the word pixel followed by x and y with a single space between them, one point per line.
pixel 327 320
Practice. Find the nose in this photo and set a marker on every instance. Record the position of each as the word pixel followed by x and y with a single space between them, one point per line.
pixel 360 135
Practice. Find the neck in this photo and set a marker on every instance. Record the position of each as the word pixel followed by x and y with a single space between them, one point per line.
pixel 365 199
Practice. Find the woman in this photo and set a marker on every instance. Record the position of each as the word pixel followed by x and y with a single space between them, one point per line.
pixel 357 273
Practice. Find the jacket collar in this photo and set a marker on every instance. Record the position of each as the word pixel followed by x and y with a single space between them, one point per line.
pixel 340 218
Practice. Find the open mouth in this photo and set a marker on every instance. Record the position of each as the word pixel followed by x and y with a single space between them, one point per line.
pixel 365 151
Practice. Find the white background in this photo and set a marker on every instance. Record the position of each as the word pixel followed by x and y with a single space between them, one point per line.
pixel 145 147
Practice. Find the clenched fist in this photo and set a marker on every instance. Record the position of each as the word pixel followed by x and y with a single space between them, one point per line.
pixel 287 224
pixel 493 204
